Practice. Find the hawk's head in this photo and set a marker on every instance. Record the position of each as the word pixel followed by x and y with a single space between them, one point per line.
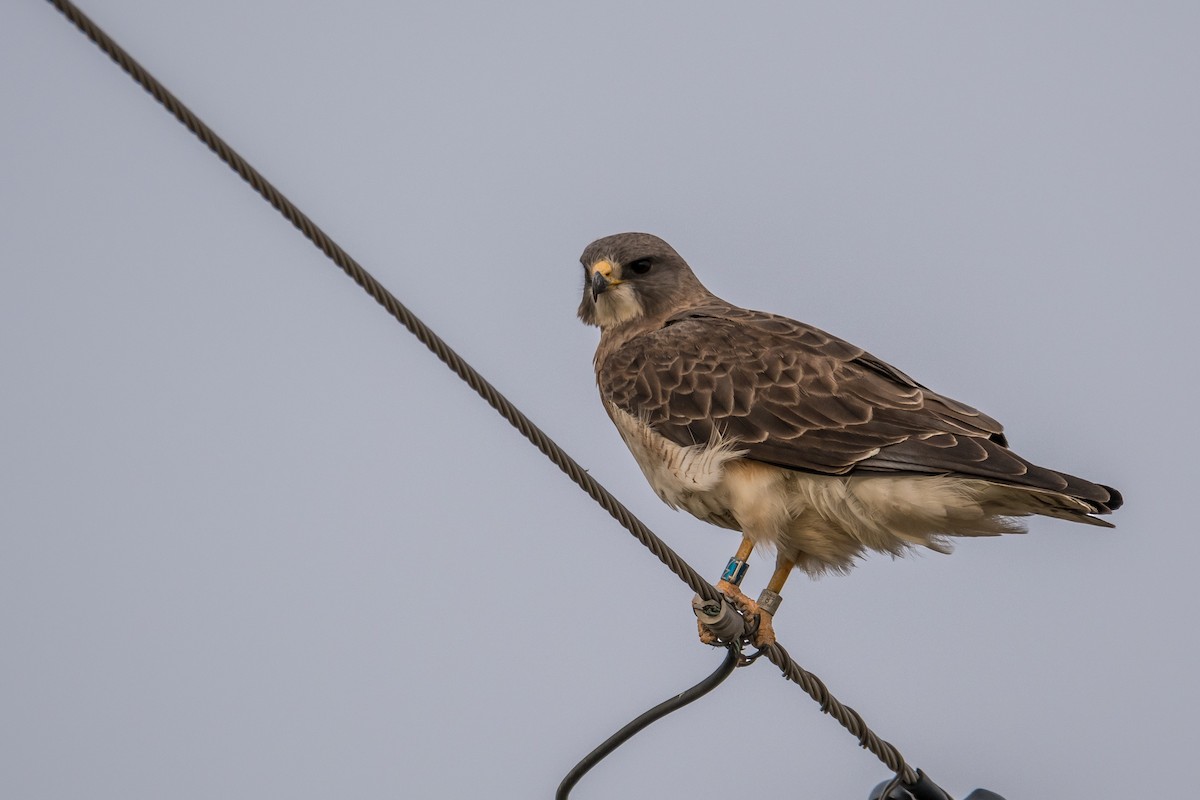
pixel 628 276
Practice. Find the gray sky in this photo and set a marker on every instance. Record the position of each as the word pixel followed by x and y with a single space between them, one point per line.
pixel 256 541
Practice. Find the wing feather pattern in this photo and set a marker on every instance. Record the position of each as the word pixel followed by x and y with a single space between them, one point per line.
pixel 797 397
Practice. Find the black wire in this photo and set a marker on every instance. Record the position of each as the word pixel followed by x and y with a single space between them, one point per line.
pixel 732 658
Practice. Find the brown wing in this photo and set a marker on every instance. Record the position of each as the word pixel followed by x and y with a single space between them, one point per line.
pixel 797 397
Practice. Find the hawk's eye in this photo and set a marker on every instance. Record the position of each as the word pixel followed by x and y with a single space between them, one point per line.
pixel 640 267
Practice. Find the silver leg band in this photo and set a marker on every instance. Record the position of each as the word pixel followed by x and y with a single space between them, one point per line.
pixel 769 601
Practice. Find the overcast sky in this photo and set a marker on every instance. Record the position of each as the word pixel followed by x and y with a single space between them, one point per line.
pixel 255 541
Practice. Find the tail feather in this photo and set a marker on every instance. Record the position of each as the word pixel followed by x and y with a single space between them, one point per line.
pixel 1012 499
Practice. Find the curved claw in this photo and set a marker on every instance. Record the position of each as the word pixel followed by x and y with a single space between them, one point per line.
pixel 707 636
pixel 758 622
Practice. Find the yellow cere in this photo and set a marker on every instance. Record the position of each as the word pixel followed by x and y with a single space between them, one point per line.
pixel 604 267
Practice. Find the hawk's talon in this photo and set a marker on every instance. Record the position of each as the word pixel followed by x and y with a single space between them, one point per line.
pixel 747 660
pixel 759 626
pixel 707 636
pixel 730 590
pixel 764 634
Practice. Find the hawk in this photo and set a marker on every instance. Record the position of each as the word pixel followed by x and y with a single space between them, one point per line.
pixel 803 442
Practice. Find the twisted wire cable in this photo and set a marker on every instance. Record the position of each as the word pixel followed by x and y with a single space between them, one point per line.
pixel 810 683
pixel 848 717
pixel 393 306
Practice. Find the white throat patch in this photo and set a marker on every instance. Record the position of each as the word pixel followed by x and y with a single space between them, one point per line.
pixel 619 304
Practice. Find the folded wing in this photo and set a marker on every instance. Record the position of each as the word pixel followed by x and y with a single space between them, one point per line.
pixel 797 397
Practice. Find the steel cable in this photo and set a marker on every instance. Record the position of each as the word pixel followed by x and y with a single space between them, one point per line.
pixel 850 719
pixel 792 671
pixel 375 289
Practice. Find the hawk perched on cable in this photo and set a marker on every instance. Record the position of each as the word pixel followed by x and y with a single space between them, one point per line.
pixel 801 441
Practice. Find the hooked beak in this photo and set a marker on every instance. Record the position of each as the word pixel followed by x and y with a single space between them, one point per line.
pixel 602 279
pixel 600 284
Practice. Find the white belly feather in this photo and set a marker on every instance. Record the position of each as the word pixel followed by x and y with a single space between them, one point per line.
pixel 822 522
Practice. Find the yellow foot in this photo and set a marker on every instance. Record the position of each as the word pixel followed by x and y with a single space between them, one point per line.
pixel 707 636
pixel 757 620
pixel 731 591
pixel 765 635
